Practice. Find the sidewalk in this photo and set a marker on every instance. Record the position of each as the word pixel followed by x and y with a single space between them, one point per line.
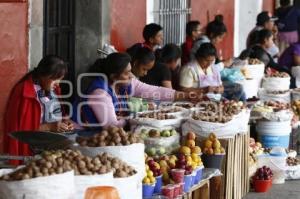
pixel 289 190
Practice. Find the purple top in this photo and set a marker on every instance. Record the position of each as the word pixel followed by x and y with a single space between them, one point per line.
pixel 104 109
pixel 287 57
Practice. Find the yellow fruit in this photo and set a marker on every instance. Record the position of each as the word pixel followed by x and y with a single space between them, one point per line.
pixel 205 150
pixel 152 180
pixel 217 151
pixel 166 178
pixel 190 143
pixel 149 173
pixel 222 150
pixel 164 169
pixel 212 137
pixel 163 163
pixel 216 144
pixel 157 165
pixel 196 150
pixel 147 167
pixel 210 151
pixel 194 156
pixel 173 157
pixel 208 144
pixel 185 150
pixel 189 162
pixel 146 180
pixel 189 158
pixel 194 165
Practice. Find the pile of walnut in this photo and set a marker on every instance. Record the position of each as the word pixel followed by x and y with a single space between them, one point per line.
pixel 58 162
pixel 157 116
pixel 112 136
pixel 277 106
pixel 171 110
pixel 292 161
pixel 278 74
pixel 219 112
pixel 254 61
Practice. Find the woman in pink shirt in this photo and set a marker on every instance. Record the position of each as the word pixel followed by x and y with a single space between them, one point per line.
pixel 105 103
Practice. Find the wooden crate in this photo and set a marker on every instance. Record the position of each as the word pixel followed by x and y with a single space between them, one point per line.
pixel 235 179
pixel 199 191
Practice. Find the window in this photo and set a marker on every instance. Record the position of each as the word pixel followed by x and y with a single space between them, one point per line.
pixel 172 15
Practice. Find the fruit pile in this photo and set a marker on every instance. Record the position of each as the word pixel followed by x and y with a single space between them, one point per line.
pixel 278 74
pixel 255 147
pixel 292 161
pixel 264 173
pixel 58 162
pixel 220 112
pixel 149 178
pixel 212 145
pixel 154 133
pixel 156 115
pixel 254 61
pixel 296 107
pixel 112 136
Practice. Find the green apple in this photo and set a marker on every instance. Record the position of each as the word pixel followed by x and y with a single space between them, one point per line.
pixel 151 151
pixel 166 133
pixel 161 151
pixel 173 132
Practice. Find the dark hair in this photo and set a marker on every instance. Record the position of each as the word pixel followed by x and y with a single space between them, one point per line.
pixel 141 55
pixel 191 26
pixel 50 66
pixel 150 30
pixel 169 53
pixel 262 35
pixel 216 27
pixel 205 50
pixel 114 63
pixel 285 2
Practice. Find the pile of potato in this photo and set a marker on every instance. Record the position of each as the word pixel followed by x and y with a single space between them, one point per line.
pixel 278 74
pixel 254 61
pixel 220 112
pixel 58 162
pixel 111 136
pixel 292 161
pixel 157 116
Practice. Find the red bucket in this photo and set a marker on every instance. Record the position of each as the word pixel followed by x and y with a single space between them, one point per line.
pixel 262 185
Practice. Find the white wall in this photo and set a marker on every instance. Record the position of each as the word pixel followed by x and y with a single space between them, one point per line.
pixel 245 20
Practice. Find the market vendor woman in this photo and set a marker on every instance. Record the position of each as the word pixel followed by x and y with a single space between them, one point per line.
pixel 33 104
pixel 107 94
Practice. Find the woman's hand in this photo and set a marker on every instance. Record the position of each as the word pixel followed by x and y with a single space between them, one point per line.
pixel 61 126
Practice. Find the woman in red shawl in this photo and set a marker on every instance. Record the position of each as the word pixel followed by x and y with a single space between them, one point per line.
pixel 33 104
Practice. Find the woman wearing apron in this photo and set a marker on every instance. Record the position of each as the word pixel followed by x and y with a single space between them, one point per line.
pixel 33 105
pixel 205 75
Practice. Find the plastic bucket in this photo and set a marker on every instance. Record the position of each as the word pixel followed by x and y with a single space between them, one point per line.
pixel 213 161
pixel 158 184
pixel 273 134
pixel 262 185
pixel 148 190
pixel 194 177
pixel 187 182
pixel 199 174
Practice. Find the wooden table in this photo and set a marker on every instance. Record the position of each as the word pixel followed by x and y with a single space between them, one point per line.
pixel 199 191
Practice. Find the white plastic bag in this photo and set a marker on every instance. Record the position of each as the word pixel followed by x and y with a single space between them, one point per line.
pixel 239 124
pixel 130 187
pixel 296 75
pixel 60 186
pixel 132 154
pixel 256 71
pixel 174 123
pixel 82 183
pixel 264 96
pixel 276 83
pixel 250 87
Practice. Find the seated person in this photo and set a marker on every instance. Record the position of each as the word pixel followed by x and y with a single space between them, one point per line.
pixel 203 74
pixel 142 61
pixel 259 51
pixel 165 69
pixel 107 102
pixel 193 32
pixel 33 105
pixel 153 36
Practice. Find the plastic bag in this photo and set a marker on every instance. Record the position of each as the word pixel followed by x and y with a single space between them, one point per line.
pixel 239 124
pixel 276 83
pixel 82 183
pixel 296 75
pixel 232 75
pixel 265 96
pixel 132 154
pixel 130 187
pixel 60 186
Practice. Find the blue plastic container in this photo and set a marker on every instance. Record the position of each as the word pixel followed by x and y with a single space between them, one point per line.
pixel 199 174
pixel 148 190
pixel 269 141
pixel 158 184
pixel 188 182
